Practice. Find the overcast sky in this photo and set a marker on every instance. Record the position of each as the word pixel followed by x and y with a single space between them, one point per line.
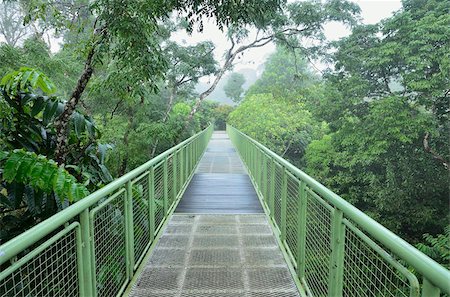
pixel 372 11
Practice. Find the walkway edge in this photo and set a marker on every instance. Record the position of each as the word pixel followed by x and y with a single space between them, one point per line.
pixel 275 229
pixel 148 254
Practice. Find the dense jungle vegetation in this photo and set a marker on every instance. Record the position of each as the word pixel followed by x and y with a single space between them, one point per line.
pixel 374 127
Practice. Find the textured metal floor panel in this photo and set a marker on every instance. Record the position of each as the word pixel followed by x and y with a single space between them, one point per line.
pixel 221 183
pixel 216 255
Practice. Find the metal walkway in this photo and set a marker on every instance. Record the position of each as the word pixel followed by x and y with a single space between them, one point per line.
pixel 224 246
pixel 220 184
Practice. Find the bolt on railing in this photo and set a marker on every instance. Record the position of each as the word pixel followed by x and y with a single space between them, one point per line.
pixel 94 247
pixel 336 249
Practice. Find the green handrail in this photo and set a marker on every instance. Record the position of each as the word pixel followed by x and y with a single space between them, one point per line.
pixel 93 247
pixel 336 249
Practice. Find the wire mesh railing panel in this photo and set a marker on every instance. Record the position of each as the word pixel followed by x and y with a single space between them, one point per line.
pixel 49 270
pixel 170 188
pixel 159 195
pixel 367 273
pixel 331 255
pixel 318 246
pixel 179 182
pixel 269 168
pixel 141 224
pixel 108 225
pixel 292 217
pixel 93 248
pixel 278 193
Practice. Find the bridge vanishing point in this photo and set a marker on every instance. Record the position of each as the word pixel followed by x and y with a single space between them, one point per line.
pixel 217 215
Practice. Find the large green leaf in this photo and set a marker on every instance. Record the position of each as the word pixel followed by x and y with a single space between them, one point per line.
pixel 28 168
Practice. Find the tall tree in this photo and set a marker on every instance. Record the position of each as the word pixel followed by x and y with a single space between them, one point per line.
pixel 233 87
pixel 388 151
pixel 131 38
pixel 295 25
pixel 12 27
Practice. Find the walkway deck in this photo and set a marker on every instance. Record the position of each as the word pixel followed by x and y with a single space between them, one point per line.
pixel 224 247
pixel 220 184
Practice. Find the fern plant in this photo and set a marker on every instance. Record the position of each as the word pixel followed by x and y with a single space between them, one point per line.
pixel 437 247
pixel 40 173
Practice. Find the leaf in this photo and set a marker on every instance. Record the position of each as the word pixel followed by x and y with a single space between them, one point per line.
pixel 11 166
pixel 38 105
pixel 79 124
pixel 41 174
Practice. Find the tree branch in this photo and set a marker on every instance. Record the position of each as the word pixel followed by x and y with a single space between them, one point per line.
pixel 435 155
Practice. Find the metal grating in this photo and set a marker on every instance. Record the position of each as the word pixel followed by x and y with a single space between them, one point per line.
pixel 170 189
pixel 366 273
pixel 225 255
pixel 318 251
pixel 109 245
pixel 278 189
pixel 159 195
pixel 292 217
pixel 52 272
pixel 141 224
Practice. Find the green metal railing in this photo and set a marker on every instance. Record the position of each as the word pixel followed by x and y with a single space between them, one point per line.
pixel 335 248
pixel 94 247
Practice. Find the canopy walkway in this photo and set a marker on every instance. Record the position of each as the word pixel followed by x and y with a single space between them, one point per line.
pixel 196 221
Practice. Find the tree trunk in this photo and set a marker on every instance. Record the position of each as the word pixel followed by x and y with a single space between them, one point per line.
pixel 165 117
pixel 62 123
pixel 435 155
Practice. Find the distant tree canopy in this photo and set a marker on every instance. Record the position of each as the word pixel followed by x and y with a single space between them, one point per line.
pixel 376 127
pixel 388 149
pixel 233 87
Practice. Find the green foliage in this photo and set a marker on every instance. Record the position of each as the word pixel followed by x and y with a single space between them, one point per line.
pixel 284 126
pixel 286 75
pixel 25 80
pixel 221 114
pixel 437 247
pixel 40 173
pixel 32 186
pixel 385 95
pixel 61 68
pixel 233 87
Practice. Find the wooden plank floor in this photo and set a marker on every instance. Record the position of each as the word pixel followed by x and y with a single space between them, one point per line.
pixel 220 184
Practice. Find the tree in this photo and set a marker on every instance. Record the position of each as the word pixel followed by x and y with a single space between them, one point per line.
pixel 32 186
pixel 294 25
pixel 11 22
pixel 388 148
pixel 131 39
pixel 233 88
pixel 286 75
pixel 282 125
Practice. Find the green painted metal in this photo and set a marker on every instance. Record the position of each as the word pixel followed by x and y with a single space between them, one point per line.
pixel 93 255
pixel 301 230
pixel 337 254
pixel 339 250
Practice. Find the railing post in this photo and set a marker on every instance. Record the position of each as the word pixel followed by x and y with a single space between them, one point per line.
pixel 429 290
pixel 283 205
pixel 181 167
pixel 87 288
pixel 335 282
pixel 129 229
pixel 301 230
pixel 272 190
pixel 174 176
pixel 264 178
pixel 151 202
pixel 186 162
pixel 258 169
pixel 166 187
